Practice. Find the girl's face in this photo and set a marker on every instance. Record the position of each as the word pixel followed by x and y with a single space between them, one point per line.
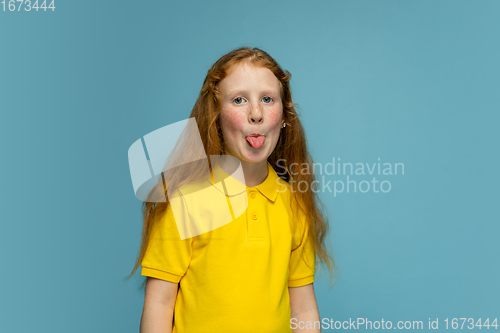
pixel 251 112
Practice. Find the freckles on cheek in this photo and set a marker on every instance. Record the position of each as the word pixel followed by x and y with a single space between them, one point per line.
pixel 274 116
pixel 234 120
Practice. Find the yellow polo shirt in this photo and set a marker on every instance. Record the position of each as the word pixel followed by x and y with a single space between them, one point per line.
pixel 235 278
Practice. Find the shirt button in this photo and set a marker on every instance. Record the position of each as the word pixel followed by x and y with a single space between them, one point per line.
pixel 254 216
pixel 252 195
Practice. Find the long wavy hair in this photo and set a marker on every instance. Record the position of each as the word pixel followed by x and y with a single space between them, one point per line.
pixel 291 149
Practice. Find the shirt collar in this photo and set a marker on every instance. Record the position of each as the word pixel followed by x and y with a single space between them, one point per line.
pixel 231 186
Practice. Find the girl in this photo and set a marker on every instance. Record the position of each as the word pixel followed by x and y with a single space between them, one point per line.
pixel 256 273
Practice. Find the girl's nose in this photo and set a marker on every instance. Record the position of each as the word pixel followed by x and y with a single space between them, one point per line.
pixel 255 114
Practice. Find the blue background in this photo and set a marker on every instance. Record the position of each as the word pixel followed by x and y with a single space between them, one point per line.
pixel 413 82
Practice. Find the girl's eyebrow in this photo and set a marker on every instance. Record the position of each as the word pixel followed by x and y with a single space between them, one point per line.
pixel 267 91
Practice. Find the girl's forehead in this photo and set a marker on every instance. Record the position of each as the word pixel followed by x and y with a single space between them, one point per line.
pixel 239 71
pixel 245 65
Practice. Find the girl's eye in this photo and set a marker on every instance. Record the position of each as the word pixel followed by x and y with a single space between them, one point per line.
pixel 237 99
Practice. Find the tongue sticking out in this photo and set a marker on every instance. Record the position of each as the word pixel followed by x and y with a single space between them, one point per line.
pixel 256 141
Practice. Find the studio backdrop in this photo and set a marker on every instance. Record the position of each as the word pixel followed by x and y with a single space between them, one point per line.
pixel 399 101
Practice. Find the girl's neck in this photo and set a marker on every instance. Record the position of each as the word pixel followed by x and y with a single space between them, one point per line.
pixel 255 173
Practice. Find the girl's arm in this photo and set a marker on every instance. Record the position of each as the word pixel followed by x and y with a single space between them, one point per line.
pixel 305 312
pixel 159 302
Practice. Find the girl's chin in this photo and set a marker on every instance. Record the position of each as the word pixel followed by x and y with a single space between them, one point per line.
pixel 255 156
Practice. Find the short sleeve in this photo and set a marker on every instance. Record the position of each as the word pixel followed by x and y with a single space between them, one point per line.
pixel 302 258
pixel 167 257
